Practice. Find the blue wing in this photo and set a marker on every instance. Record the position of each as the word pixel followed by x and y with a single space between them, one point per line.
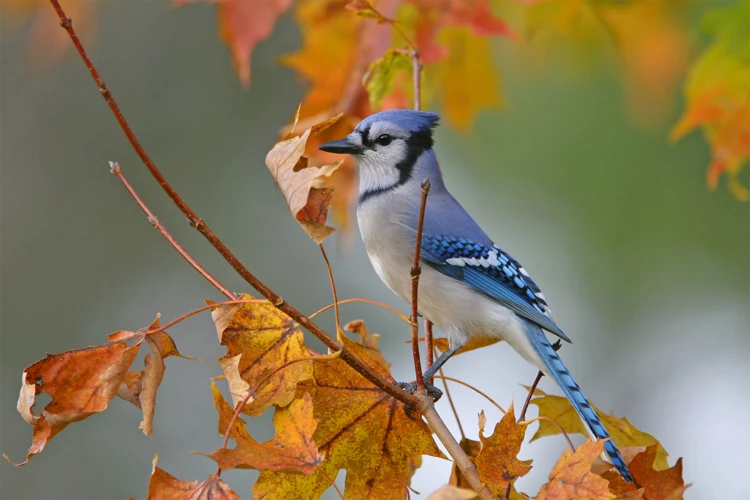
pixel 491 272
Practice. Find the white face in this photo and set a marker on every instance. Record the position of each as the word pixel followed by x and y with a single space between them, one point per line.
pixel 385 147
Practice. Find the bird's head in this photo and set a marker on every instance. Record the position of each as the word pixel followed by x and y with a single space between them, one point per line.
pixel 387 145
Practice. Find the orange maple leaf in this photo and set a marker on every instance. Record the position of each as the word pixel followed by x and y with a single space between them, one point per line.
pixel 657 483
pixel 243 24
pixel 292 449
pixel 259 338
pixel 571 477
pixel 361 429
pixel 623 433
pixel 497 463
pixel 164 486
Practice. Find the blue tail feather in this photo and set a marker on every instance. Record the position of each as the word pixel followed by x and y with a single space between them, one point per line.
pixel 573 392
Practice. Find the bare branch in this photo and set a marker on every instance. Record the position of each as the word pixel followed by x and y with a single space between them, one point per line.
pixel 416 271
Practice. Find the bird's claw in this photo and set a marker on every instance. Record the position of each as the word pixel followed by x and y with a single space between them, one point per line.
pixel 411 388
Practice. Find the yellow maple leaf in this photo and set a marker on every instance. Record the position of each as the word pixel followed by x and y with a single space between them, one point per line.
pixel 623 433
pixel 361 429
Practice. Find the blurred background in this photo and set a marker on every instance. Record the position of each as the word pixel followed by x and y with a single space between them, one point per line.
pixel 646 270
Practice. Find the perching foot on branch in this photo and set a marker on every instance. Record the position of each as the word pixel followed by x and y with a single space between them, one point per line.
pixel 411 388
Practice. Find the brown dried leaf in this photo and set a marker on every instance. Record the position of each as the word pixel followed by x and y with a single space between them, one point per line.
pixel 259 338
pixel 449 492
pixel 657 484
pixel 303 185
pixel 360 429
pixel 164 486
pixel 369 341
pixel 291 449
pixel 571 477
pixel 81 383
pixel 497 464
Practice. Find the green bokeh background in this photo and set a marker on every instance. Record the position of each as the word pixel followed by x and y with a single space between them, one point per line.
pixel 645 269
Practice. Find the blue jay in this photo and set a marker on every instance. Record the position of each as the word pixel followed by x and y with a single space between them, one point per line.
pixel 469 287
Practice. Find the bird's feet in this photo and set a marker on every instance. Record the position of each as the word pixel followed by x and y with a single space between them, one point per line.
pixel 411 388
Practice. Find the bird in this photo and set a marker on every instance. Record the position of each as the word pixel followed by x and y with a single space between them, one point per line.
pixel 469 287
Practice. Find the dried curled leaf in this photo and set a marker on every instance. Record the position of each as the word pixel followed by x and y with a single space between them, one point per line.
pixel 497 464
pixel 81 383
pixel 571 477
pixel 291 449
pixel 360 429
pixel 301 184
pixel 164 486
pixel 623 433
pixel 259 338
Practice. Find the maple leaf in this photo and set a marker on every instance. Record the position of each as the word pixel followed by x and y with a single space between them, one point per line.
pixel 81 382
pixel 717 91
pixel 657 483
pixel 164 486
pixel 442 343
pixel 381 74
pixel 369 341
pixel 361 429
pixel 291 449
pixel 140 387
pixel 623 433
pixel 571 477
pixel 259 338
pixel 301 184
pixel 449 492
pixel 243 24
pixel 497 463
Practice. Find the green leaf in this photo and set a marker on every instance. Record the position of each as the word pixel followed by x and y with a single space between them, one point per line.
pixel 380 76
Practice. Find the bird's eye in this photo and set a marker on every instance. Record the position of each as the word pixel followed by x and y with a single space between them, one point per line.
pixel 384 139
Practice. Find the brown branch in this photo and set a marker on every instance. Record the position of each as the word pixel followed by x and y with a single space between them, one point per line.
pixel 465 465
pixel 429 351
pixel 526 403
pixel 332 344
pixel 416 271
pixel 114 167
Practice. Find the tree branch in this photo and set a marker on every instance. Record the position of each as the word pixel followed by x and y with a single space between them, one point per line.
pixel 416 271
pixel 197 223
pixel 114 167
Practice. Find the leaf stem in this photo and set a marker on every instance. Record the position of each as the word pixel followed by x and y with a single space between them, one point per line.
pixel 333 288
pixel 114 167
pixel 198 223
pixel 461 382
pixel 366 301
pixel 539 376
pixel 416 271
pixel 453 406
pixel 535 419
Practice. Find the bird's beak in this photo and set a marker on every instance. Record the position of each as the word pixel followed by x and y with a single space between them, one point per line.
pixel 342 147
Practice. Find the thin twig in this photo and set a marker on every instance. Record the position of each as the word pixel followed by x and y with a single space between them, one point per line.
pixel 416 271
pixel 332 481
pixel 201 309
pixel 366 301
pixel 535 419
pixel 114 167
pixel 453 406
pixel 539 376
pixel 461 382
pixel 429 351
pixel 358 365
pixel 465 465
pixel 333 288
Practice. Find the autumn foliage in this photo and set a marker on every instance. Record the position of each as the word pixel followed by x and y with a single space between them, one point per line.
pixel 340 409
